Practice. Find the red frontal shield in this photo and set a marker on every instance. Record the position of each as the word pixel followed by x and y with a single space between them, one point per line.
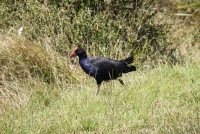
pixel 73 53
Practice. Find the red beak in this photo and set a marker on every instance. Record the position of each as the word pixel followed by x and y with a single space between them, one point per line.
pixel 73 53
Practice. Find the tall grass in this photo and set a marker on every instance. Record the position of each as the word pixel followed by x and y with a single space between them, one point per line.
pixel 21 61
pixel 23 58
pixel 104 28
pixel 100 27
pixel 163 100
pixel 43 91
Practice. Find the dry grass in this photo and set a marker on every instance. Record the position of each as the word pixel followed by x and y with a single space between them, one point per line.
pixel 22 61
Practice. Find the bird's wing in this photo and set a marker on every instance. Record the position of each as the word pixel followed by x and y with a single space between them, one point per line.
pixel 104 64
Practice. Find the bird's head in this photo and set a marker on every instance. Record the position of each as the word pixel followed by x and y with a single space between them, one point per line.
pixel 78 51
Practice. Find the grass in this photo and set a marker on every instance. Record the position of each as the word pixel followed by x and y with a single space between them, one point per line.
pixel 163 100
pixel 43 91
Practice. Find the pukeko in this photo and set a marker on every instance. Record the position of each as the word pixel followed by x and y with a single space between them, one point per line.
pixel 103 69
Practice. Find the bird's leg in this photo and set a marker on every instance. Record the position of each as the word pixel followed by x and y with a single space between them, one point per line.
pixel 98 90
pixel 121 82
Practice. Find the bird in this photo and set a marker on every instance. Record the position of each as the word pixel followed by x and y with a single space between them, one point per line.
pixel 101 68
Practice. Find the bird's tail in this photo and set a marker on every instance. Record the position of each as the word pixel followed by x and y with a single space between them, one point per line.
pixel 128 60
pixel 128 68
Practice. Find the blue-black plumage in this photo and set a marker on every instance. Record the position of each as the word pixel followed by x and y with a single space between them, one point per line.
pixel 103 69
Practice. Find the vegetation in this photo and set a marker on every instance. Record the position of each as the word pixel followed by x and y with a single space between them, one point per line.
pixel 195 12
pixel 164 100
pixel 43 91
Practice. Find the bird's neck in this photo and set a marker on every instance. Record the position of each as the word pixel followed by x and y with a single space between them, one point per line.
pixel 82 56
pixel 85 64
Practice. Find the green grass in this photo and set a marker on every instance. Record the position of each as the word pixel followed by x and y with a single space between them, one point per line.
pixel 163 100
pixel 43 91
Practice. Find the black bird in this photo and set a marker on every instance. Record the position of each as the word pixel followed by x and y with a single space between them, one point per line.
pixel 103 69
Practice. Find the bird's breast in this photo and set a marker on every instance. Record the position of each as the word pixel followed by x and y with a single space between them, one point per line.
pixel 88 68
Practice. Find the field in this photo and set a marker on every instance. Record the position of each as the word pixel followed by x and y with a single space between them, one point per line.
pixel 162 100
pixel 43 91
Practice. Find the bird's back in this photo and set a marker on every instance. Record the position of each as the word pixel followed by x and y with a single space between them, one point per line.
pixel 111 69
